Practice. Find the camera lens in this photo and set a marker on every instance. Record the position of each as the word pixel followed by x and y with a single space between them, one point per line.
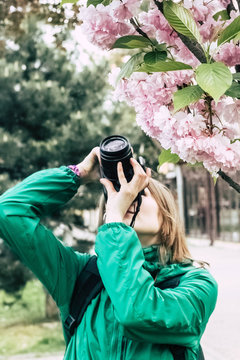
pixel 114 145
pixel 112 150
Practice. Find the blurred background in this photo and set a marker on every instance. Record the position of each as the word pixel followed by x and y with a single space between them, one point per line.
pixel 55 106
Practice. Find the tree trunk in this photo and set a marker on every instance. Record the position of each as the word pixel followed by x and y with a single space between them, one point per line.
pixel 211 210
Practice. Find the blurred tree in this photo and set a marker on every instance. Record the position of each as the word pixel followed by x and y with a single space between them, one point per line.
pixel 13 14
pixel 51 114
pixel 9 265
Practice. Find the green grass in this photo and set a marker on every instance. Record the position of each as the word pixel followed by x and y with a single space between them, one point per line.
pixel 23 327
pixel 25 307
pixel 36 338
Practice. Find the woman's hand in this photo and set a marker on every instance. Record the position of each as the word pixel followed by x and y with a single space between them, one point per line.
pixel 119 202
pixel 89 168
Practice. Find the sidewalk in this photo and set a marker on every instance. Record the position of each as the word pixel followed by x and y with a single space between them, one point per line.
pixel 221 338
pixel 34 357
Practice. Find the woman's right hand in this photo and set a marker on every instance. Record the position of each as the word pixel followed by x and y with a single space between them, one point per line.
pixel 120 201
pixel 89 168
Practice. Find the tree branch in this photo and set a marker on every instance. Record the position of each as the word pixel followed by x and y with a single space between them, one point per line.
pixel 192 45
pixel 238 2
pixel 159 5
pixel 230 7
pixel 230 181
pixel 137 28
pixel 237 68
pixel 224 176
pixel 208 101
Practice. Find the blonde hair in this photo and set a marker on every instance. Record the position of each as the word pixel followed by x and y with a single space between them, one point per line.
pixel 173 247
pixel 172 242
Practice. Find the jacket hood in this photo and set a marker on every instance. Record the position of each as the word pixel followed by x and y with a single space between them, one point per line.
pixel 155 268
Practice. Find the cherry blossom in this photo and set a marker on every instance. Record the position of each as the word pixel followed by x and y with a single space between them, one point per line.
pixel 101 28
pixel 125 9
pixel 190 133
pixel 229 54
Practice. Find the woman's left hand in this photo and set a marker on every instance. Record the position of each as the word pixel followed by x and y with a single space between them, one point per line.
pixel 89 168
pixel 120 201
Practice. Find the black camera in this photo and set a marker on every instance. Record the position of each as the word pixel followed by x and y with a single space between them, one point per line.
pixel 113 149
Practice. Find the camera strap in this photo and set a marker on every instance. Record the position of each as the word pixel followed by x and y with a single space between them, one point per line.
pixel 139 202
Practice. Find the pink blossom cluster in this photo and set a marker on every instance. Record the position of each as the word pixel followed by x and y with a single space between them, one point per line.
pixel 124 9
pixel 185 134
pixel 146 93
pixel 202 9
pixel 229 54
pixel 155 25
pixel 100 26
pixel 209 28
pixel 103 25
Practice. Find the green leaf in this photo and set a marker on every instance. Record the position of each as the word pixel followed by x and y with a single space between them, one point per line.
pixel 214 179
pixel 106 2
pixel 131 42
pixel 154 56
pixel 234 90
pixel 68 2
pixel 223 15
pixel 214 78
pixel 97 2
pixel 167 156
pixel 230 32
pixel 129 67
pixel 236 76
pixel 162 66
pixel 236 38
pixel 161 47
pixel 181 20
pixel 186 96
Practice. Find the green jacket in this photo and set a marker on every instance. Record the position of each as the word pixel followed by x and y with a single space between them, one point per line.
pixel 130 318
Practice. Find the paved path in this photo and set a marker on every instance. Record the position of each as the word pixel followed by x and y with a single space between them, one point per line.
pixel 34 357
pixel 221 340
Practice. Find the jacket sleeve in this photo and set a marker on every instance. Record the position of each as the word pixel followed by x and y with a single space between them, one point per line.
pixel 171 316
pixel 21 208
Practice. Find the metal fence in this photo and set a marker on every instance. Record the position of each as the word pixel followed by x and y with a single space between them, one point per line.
pixel 210 210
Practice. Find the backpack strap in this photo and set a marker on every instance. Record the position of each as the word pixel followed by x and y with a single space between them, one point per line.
pixel 87 286
pixel 168 283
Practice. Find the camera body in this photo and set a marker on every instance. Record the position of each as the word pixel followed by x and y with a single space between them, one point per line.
pixel 113 149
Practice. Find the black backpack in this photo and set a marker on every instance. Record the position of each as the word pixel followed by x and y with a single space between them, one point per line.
pixel 89 284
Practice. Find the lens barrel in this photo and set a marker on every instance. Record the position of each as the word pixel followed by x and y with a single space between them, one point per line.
pixel 113 149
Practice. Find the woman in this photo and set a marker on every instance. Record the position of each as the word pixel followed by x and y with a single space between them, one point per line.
pixel 131 318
